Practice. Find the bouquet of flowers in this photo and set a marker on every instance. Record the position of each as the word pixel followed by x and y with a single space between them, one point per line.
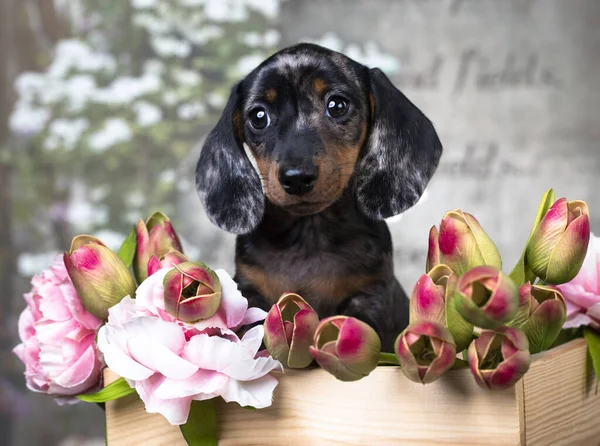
pixel 176 332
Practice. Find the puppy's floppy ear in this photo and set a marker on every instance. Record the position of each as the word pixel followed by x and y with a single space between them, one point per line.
pixel 229 187
pixel 400 155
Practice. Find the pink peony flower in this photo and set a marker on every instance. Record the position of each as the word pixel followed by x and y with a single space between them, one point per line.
pixel 58 337
pixel 170 363
pixel 582 294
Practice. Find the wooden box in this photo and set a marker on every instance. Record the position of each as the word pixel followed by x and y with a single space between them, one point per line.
pixel 554 404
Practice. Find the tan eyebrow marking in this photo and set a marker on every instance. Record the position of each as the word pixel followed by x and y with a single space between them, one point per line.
pixel 271 95
pixel 320 86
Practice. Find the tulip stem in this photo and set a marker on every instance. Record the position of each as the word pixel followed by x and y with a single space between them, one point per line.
pixel 388 358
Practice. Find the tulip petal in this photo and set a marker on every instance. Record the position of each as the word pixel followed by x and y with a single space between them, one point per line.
pixel 305 325
pixel 334 366
pixel 544 325
pixel 489 251
pixel 408 362
pixel 510 370
pixel 275 336
pixel 257 393
pixel 426 302
pixel 459 328
pixel 358 346
pixel 569 252
pixel 443 362
pixel 433 252
pixel 546 236
pixel 232 309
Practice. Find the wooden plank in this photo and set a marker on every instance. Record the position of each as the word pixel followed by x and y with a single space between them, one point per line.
pixel 561 404
pixel 313 408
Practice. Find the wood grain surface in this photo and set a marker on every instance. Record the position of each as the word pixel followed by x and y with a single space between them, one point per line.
pixel 553 405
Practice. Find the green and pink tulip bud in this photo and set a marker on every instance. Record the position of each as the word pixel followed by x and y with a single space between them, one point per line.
pixel 486 297
pixel 433 299
pixel 192 292
pixel 542 313
pixel 98 274
pixel 558 246
pixel 499 358
pixel 169 260
pixel 155 238
pixel 425 351
pixel 461 244
pixel 290 327
pixel 347 348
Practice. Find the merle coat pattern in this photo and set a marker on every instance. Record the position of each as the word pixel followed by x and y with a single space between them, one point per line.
pixel 312 152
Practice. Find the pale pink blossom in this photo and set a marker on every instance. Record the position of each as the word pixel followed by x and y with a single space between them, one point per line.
pixel 170 363
pixel 582 294
pixel 57 337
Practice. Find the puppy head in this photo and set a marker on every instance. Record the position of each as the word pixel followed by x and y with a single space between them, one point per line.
pixel 300 127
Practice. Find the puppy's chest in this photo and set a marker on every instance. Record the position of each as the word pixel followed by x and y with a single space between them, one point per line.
pixel 325 276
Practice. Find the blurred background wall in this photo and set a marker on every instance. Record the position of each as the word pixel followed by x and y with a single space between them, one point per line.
pixel 103 104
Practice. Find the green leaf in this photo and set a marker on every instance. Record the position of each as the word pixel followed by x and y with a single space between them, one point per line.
pixel 127 249
pixel 113 391
pixel 521 273
pixel 592 338
pixel 459 328
pixel 201 426
pixel 460 364
pixel 567 335
pixel 388 358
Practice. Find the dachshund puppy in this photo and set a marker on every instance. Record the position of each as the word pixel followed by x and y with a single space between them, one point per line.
pixel 312 152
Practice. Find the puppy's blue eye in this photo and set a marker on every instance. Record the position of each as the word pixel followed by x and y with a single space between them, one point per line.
pixel 259 118
pixel 337 106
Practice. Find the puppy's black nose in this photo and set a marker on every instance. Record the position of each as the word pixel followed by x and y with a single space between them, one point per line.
pixel 298 180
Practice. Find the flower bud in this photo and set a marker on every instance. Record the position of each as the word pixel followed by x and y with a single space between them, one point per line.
pixel 155 238
pixel 461 244
pixel 425 351
pixel 346 347
pixel 192 292
pixel 546 314
pixel 167 261
pixel 290 327
pixel 433 253
pixel 499 358
pixel 486 297
pixel 558 245
pixel 98 274
pixel 433 299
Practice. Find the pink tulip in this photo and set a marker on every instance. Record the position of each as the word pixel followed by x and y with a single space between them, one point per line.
pixel 582 294
pixel 192 292
pixel 461 244
pixel 289 329
pixel 425 351
pixel 558 246
pixel 170 362
pixel 57 338
pixel 434 299
pixel 346 347
pixel 486 297
pixel 541 315
pixel 155 238
pixel 167 261
pixel 499 358
pixel 98 274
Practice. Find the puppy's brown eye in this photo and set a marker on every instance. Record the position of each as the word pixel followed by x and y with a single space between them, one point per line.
pixel 337 106
pixel 259 118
